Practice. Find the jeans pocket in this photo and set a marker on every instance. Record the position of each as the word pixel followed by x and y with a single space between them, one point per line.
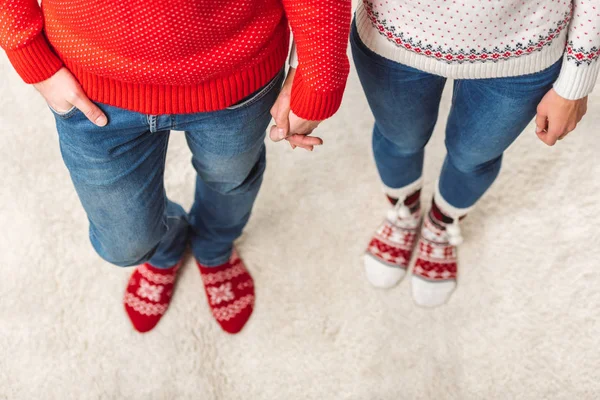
pixel 64 114
pixel 259 94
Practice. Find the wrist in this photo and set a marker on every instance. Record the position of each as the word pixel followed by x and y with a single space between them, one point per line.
pixel 576 81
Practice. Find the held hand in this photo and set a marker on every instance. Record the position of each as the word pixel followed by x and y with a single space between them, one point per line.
pixel 62 92
pixel 557 116
pixel 288 125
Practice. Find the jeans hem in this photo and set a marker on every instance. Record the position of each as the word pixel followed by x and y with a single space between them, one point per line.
pixel 214 262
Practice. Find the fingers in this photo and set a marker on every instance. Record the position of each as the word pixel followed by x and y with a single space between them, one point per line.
pixel 87 107
pixel 541 127
pixel 555 131
pixel 557 116
pixel 308 148
pixel 303 140
pixel 541 122
pixel 552 135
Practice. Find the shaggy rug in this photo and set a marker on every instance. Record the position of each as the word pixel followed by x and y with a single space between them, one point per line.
pixel 523 324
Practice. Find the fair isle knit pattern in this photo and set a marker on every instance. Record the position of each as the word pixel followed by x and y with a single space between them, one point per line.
pixel 472 39
pixel 391 247
pixel 230 293
pixel 393 242
pixel 436 260
pixel 436 266
pixel 148 294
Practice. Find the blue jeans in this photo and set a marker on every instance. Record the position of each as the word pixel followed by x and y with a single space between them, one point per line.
pixel 118 173
pixel 487 115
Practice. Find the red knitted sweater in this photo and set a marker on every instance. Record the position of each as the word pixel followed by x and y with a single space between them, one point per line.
pixel 182 56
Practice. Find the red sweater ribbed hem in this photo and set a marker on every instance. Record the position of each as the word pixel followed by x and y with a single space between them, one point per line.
pixel 211 95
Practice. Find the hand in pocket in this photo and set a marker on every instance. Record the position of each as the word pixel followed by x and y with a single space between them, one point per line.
pixel 62 92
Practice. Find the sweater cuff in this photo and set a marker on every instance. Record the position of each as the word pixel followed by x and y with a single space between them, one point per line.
pixel 576 81
pixel 312 105
pixel 35 62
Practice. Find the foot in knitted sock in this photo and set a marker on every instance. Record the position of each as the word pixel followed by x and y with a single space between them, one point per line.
pixel 434 274
pixel 390 250
pixel 230 292
pixel 148 295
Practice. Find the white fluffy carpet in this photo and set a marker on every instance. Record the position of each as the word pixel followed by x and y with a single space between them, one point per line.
pixel 523 324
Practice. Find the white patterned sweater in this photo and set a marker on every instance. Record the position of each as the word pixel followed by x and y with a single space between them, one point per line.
pixel 472 39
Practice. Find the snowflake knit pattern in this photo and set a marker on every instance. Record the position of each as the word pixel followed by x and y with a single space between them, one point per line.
pixel 472 39
pixel 148 295
pixel 182 56
pixel 230 292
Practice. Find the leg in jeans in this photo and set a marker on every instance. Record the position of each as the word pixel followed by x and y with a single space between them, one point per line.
pixel 117 171
pixel 405 103
pixel 228 153
pixel 487 115
pixel 229 158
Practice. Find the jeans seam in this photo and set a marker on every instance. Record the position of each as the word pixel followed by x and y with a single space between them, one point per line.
pixel 166 199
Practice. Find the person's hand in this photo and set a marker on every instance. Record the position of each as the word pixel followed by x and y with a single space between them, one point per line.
pixel 62 91
pixel 288 125
pixel 557 116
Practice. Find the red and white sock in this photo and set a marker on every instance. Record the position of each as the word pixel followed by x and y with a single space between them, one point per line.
pixel 148 295
pixel 390 249
pixel 436 267
pixel 230 292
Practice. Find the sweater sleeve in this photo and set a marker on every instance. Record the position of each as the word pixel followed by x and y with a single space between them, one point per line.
pixel 22 37
pixel 321 29
pixel 581 62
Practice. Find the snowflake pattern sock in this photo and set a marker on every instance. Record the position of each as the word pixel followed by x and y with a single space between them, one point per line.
pixel 390 249
pixel 435 271
pixel 230 292
pixel 148 295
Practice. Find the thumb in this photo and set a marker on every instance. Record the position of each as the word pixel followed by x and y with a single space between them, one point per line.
pixel 281 129
pixel 91 110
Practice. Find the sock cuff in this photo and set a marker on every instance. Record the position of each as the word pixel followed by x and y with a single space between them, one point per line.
pixel 405 191
pixel 446 208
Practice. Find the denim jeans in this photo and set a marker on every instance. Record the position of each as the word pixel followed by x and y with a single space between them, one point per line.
pixel 118 173
pixel 486 116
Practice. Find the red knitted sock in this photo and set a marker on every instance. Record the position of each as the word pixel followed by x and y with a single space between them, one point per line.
pixel 230 292
pixel 148 295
